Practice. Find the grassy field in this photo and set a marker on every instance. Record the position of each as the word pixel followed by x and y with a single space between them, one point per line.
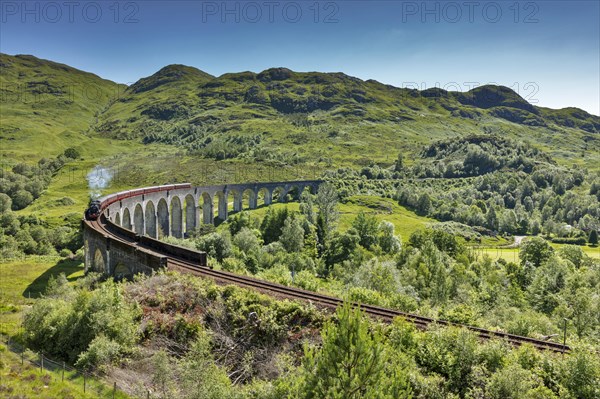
pixel 72 180
pixel 508 254
pixel 27 381
pixel 404 220
pixel 592 252
pixel 47 107
pixel 22 281
pixel 512 254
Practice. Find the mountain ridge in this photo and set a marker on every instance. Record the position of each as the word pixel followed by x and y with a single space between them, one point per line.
pixel 479 96
pixel 280 114
pixel 283 73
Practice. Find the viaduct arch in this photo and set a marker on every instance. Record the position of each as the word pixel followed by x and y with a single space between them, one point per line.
pixel 175 210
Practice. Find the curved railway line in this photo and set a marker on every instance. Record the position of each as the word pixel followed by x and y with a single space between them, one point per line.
pixel 387 315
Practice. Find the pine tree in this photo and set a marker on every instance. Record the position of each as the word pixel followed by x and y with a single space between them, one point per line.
pixel 163 374
pixel 593 239
pixel 352 363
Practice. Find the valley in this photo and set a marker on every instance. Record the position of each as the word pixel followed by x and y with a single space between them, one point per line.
pixel 425 192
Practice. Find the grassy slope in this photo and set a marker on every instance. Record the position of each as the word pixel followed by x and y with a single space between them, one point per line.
pixel 71 181
pixel 21 281
pixel 353 123
pixel 404 220
pixel 26 381
pixel 47 107
pixel 343 120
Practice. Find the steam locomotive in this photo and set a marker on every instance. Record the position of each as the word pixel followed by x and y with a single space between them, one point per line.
pixel 93 210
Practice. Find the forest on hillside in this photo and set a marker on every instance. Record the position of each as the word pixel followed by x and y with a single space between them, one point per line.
pixel 170 329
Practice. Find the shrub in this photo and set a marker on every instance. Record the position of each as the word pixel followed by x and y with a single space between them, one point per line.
pixel 216 245
pixel 593 238
pixel 451 352
pixel 569 240
pixel 365 295
pixel 71 153
pixel 65 253
pixel 307 280
pixel 233 265
pixel 5 203
pixel 536 251
pixel 494 354
pixel 239 221
pixel 247 240
pixel 378 276
pixel 511 382
pixel 100 353
pixel 461 313
pixel 66 325
pixel 21 199
pixel 581 373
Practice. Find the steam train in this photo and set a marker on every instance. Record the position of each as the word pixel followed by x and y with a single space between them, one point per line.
pixel 96 207
pixel 93 210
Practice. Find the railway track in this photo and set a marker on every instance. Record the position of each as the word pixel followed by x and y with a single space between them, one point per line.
pixel 387 315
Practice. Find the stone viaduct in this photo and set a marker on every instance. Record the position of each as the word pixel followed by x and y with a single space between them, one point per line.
pixel 170 211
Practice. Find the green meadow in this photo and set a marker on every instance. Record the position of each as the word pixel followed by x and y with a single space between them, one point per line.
pixel 27 381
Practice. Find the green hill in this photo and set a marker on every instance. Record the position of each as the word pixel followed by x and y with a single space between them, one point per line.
pixel 276 116
pixel 296 117
pixel 47 107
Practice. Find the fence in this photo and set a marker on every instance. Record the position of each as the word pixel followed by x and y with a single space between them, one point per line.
pixel 60 371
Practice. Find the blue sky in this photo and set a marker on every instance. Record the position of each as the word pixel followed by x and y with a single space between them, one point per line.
pixel 547 51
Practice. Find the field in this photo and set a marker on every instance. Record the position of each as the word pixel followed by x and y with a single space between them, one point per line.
pixel 512 254
pixel 21 281
pixel 404 220
pixel 27 381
